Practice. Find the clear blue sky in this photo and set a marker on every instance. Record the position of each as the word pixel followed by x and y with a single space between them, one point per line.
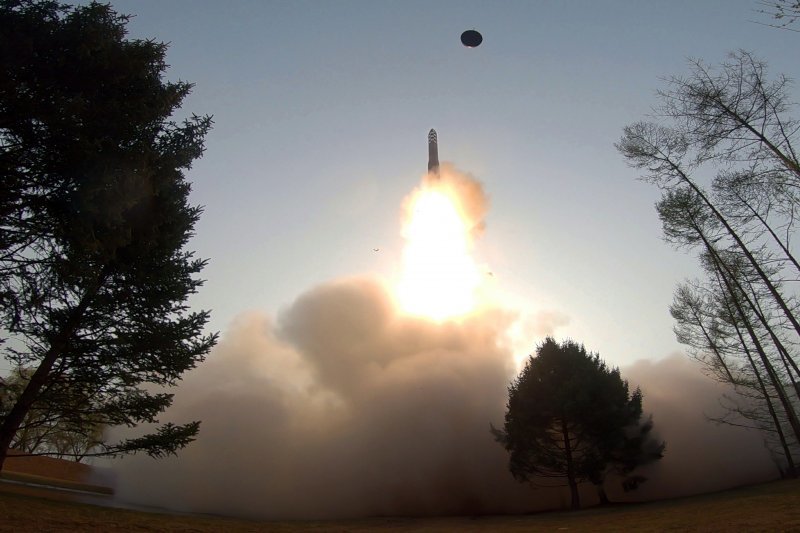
pixel 321 113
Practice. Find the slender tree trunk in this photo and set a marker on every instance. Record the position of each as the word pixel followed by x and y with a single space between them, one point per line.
pixel 23 404
pixel 726 277
pixel 713 346
pixel 742 246
pixel 773 415
pixel 601 492
pixel 776 384
pixel 784 353
pixel 573 485
pixel 795 385
pixel 790 164
pixel 39 379
pixel 775 237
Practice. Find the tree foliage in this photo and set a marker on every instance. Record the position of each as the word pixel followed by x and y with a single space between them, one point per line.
pixel 784 13
pixel 722 150
pixel 50 427
pixel 571 417
pixel 94 220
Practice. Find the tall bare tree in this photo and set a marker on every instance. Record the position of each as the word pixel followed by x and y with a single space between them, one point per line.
pixel 721 149
pixel 784 13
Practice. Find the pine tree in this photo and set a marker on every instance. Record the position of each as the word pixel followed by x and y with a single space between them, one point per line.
pixel 571 417
pixel 94 220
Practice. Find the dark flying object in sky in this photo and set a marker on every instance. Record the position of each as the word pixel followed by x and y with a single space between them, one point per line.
pixel 471 38
pixel 433 153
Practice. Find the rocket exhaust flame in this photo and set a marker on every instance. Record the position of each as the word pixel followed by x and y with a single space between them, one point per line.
pixel 440 278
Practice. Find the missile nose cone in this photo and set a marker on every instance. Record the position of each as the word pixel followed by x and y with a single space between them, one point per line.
pixel 433 152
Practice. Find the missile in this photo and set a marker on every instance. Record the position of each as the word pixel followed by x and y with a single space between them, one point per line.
pixel 433 153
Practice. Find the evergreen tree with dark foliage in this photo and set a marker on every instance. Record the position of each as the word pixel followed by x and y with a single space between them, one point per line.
pixel 571 417
pixel 94 219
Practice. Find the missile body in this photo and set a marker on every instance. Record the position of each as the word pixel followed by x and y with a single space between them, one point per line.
pixel 433 153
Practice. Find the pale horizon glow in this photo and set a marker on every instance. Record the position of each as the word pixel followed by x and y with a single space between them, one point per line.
pixel 439 278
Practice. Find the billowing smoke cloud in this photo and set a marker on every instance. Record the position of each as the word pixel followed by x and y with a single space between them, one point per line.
pixel 346 407
pixel 701 456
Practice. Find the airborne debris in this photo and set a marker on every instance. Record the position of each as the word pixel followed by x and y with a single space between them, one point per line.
pixel 471 38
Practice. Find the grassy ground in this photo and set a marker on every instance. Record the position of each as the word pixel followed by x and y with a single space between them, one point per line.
pixel 770 507
pixel 61 483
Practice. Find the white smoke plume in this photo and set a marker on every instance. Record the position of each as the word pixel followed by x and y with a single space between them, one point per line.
pixel 345 407
pixel 701 456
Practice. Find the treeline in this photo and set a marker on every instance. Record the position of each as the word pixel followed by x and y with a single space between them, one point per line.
pixel 722 149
